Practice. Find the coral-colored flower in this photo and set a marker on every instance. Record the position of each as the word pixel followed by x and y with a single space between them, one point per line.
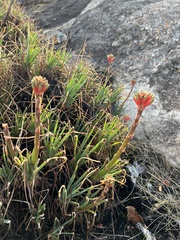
pixel 126 118
pixel 143 99
pixel 133 82
pixel 110 58
pixel 39 85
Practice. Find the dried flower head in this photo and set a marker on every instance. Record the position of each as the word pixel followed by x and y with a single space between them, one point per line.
pixel 143 99
pixel 39 85
pixel 109 180
pixel 110 58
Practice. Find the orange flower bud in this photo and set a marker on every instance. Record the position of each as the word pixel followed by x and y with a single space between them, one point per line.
pixel 39 85
pixel 126 118
pixel 143 99
pixel 110 58
pixel 133 82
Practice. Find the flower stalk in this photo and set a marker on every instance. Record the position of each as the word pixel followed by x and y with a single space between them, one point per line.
pixel 133 82
pixel 9 144
pixel 96 202
pixel 39 85
pixel 142 100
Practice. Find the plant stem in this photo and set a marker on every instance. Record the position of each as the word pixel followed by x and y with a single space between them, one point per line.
pixel 97 201
pixel 8 140
pixel 8 12
pixel 35 153
pixel 122 148
pixel 122 105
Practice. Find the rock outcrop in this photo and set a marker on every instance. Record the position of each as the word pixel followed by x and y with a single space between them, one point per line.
pixel 144 37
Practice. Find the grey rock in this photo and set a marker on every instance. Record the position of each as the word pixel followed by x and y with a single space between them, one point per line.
pixel 144 37
pixel 56 34
pixel 27 2
pixel 54 13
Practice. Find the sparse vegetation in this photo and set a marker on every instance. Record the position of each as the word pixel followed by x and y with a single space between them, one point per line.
pixel 53 142
pixel 60 145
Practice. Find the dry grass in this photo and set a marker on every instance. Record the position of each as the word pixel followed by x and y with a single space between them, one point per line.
pixel 158 190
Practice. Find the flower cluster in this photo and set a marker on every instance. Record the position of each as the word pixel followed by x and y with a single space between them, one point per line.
pixel 110 58
pixel 39 85
pixel 143 99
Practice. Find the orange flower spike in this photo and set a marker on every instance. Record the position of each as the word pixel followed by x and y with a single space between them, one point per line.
pixel 39 85
pixel 143 99
pixel 110 58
